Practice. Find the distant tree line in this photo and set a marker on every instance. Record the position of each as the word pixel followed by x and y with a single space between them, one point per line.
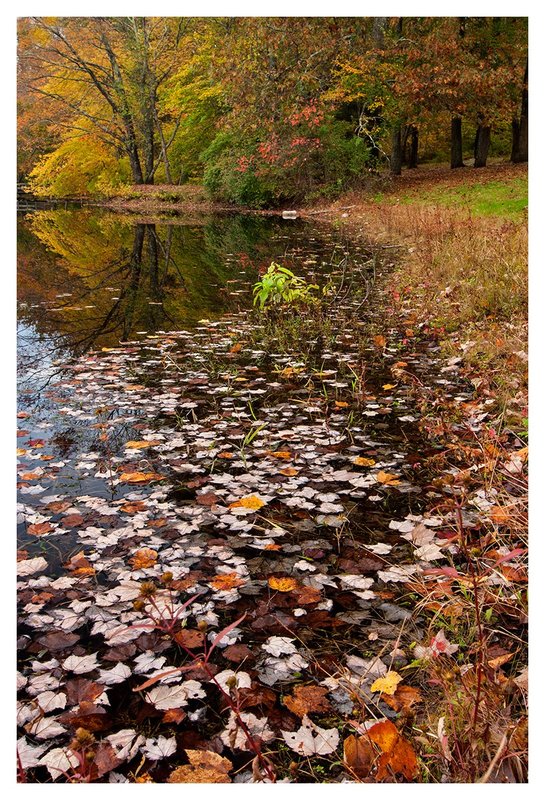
pixel 262 109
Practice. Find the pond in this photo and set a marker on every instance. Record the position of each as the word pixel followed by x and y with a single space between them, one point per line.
pixel 236 467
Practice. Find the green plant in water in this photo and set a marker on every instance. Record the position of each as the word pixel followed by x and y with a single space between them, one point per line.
pixel 280 286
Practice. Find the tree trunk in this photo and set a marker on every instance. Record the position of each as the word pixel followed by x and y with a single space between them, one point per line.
pixel 134 160
pixel 519 150
pixel 397 151
pixel 456 153
pixel 412 158
pixel 482 143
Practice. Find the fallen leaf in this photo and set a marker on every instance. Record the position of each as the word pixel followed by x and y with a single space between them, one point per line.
pixel 358 755
pixel 307 700
pixel 389 385
pixel 174 715
pixel 387 478
pixel 141 444
pixel 289 471
pixel 227 582
pixel 360 461
pixel 189 638
pixel 252 502
pixel 403 698
pixel 204 766
pixel 283 584
pixel 397 754
pixel 380 341
pixel 139 477
pixel 387 684
pixel 144 558
pixel 39 528
pixel 312 740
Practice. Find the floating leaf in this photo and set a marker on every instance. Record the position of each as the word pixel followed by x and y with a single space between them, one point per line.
pixel 252 501
pixel 228 581
pixel 139 477
pixel 141 444
pixel 144 558
pixel 283 584
pixel 360 461
pixel 388 478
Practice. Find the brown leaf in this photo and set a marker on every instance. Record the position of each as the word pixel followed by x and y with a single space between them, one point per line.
pixel 80 690
pixel 58 640
pixel 134 508
pixel 308 699
pixel 237 653
pixel 190 638
pixel 359 755
pixel 105 759
pixel 404 698
pixel 88 716
pixel 208 499
pixel 380 341
pixel 205 767
pixel 72 521
pixel 175 715
pixel 39 528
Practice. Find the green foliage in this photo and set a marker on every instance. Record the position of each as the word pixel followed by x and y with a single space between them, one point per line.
pixel 279 286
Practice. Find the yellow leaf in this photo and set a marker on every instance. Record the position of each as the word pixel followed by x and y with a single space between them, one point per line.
pixel 252 501
pixel 283 584
pixel 389 385
pixel 364 462
pixel 387 684
pixel 387 478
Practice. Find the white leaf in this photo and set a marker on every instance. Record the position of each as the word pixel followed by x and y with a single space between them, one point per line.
pixel 46 728
pixel 356 581
pixel 379 549
pixel 430 552
pixel 81 664
pixel 243 680
pixel 312 740
pixel 58 761
pixel 155 749
pixel 397 574
pixel 165 697
pixel 122 634
pixel 148 661
pixel 278 645
pixel 373 667
pixel 29 755
pixel 30 566
pixel 233 736
pixel 125 743
pixel 49 701
pixel 117 674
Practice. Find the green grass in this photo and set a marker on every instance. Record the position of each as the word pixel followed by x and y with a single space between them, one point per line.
pixel 503 199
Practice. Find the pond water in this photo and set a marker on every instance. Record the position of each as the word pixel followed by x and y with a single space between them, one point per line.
pixel 262 474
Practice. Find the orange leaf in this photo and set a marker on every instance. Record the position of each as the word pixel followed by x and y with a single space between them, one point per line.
pixel 224 455
pixel 252 502
pixel 283 584
pixel 289 471
pixel 146 557
pixel 397 754
pixel 385 734
pixel 340 404
pixel 139 477
pixel 228 581
pixel 404 698
pixel 285 454
pixel 175 715
pixel 380 341
pixel 387 478
pixel 141 445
